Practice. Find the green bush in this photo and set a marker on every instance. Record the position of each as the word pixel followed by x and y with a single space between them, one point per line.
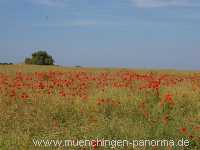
pixel 40 58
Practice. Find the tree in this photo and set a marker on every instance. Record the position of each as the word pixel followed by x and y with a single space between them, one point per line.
pixel 40 58
pixel 28 61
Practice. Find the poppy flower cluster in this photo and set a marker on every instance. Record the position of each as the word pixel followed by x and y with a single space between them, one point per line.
pixel 150 95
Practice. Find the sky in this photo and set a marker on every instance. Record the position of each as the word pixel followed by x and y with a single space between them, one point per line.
pixel 103 33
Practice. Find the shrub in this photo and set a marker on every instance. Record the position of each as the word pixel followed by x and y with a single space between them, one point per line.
pixel 40 58
pixel 28 61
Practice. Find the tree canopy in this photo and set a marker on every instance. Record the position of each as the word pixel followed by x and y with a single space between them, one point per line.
pixel 40 58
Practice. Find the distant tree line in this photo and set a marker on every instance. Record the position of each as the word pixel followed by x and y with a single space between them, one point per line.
pixel 40 58
pixel 6 63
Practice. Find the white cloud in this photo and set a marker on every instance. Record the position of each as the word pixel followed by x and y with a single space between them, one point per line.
pixel 75 23
pixel 49 2
pixel 164 3
pixel 80 23
pixel 137 3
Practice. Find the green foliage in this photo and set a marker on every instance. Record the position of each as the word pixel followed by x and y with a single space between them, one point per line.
pixel 40 58
pixel 28 61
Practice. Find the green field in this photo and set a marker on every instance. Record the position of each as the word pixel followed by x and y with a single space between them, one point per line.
pixel 57 103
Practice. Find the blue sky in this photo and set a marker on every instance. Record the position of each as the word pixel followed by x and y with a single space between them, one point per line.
pixel 103 33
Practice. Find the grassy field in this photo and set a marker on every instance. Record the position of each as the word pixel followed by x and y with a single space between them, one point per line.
pixel 51 102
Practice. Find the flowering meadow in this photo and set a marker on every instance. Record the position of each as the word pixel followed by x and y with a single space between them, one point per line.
pixel 51 102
